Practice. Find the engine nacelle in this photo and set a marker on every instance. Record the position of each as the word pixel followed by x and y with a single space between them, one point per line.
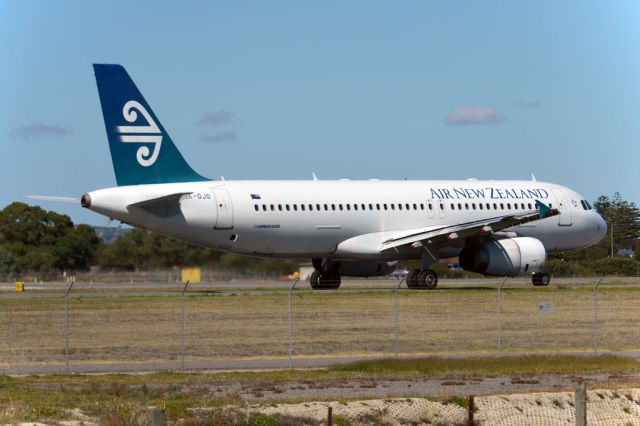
pixel 508 257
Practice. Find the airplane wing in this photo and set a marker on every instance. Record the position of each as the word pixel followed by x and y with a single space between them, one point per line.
pixel 477 228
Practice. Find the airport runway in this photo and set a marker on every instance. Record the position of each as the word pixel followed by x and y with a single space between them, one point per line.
pixel 257 285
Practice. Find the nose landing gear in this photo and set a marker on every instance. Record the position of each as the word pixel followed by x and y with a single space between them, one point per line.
pixel 540 279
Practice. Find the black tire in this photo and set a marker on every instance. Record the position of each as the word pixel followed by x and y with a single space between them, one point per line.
pixel 328 282
pixel 428 279
pixel 540 279
pixel 413 278
pixel 545 279
pixel 314 280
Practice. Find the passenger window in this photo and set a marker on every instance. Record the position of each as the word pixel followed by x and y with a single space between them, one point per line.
pixel 272 207
pixel 399 206
pixel 466 206
pixel 473 205
pixel 256 207
pixel 515 206
pixel 488 206
pixel 364 206
pixel 280 207
pixel 529 206
pixel 459 206
pixel 333 207
pixel 430 206
pixel 384 206
pixel 310 207
pixel 348 206
pixel 287 207
pixel 377 206
pixel 370 206
pixel 522 206
pixel 480 206
pixel 495 206
pixel 355 207
pixel 550 205
pixel 501 206
pixel 295 207
pixel 264 207
pixel 441 206
pixel 393 206
pixel 407 206
pixel 415 207
pixel 453 206
pixel 421 206
pixel 340 207
pixel 326 207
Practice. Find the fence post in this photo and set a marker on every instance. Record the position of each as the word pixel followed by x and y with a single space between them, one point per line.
pixel 595 315
pixel 184 288
pixel 580 402
pixel 500 316
pixel 396 318
pixel 66 324
pixel 291 325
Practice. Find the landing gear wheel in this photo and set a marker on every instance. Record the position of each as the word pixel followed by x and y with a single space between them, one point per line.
pixel 314 280
pixel 413 278
pixel 428 279
pixel 320 281
pixel 329 281
pixel 540 279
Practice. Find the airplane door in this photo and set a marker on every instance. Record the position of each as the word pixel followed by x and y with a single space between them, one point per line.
pixel 225 208
pixel 565 218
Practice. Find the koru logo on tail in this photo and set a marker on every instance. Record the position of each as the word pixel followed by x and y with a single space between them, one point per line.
pixel 141 134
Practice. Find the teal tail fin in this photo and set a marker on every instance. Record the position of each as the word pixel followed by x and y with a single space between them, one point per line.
pixel 141 150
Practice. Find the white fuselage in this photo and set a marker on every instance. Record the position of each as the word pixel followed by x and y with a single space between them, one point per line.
pixel 345 219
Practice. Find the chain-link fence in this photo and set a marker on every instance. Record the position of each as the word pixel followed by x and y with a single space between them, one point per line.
pixel 279 325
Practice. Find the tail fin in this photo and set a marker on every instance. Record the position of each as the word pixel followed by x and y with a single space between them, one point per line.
pixel 141 150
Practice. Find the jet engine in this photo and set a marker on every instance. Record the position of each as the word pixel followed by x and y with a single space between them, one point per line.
pixel 508 257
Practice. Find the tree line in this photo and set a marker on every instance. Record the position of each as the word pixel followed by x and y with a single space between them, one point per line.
pixel 35 240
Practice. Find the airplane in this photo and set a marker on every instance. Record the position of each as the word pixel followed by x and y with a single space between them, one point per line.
pixel 357 228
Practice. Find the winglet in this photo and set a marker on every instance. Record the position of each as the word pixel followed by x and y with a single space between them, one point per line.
pixel 543 208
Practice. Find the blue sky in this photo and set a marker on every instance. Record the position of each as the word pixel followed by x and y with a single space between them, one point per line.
pixel 355 89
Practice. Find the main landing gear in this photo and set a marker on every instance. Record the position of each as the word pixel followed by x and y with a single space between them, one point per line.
pixel 422 280
pixel 325 276
pixel 324 281
pixel 540 279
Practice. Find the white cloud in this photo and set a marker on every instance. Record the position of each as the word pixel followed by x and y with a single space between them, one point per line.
pixel 528 103
pixel 217 118
pixel 474 115
pixel 219 137
pixel 39 130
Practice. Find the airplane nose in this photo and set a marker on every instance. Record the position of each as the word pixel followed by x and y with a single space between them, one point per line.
pixel 600 227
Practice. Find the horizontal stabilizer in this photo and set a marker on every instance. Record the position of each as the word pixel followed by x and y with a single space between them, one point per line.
pixel 54 198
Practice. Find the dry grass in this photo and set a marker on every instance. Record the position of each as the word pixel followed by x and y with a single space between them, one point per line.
pixel 247 325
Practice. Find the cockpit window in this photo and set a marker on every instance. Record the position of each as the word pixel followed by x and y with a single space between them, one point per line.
pixel 586 205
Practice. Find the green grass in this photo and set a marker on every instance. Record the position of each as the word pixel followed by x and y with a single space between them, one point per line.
pixel 511 365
